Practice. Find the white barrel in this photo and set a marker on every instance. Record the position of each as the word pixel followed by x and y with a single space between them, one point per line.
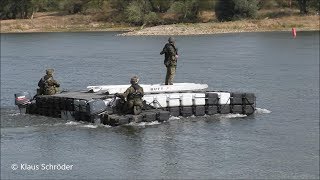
pixel 174 100
pixel 224 97
pixel 160 100
pixel 186 99
pixel 199 99
pixel 108 102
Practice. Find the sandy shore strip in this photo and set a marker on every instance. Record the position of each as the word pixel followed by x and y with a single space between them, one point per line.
pixel 301 23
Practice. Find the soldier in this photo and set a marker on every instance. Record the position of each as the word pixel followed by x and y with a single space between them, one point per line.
pixel 47 85
pixel 134 96
pixel 170 60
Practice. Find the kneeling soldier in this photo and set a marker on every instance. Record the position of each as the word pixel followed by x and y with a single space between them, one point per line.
pixel 48 85
pixel 134 96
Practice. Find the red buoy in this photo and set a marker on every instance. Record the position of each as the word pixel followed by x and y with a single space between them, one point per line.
pixel 294 32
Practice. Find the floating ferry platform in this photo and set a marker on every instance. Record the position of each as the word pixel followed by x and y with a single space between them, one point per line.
pixel 98 104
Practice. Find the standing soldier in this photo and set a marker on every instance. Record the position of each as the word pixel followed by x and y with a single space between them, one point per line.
pixel 170 60
pixel 134 96
pixel 48 85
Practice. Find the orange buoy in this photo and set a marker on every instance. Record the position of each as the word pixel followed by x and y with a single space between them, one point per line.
pixel 294 32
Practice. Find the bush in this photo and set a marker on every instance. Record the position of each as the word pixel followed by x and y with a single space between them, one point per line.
pixel 207 5
pixel 12 9
pixel 160 5
pixel 72 6
pixel 224 10
pixel 177 8
pixel 185 10
pixel 236 9
pixel 315 5
pixel 263 4
pixel 134 13
pixel 245 9
pixel 152 19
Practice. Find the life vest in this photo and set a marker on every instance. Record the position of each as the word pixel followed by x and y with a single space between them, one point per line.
pixel 136 94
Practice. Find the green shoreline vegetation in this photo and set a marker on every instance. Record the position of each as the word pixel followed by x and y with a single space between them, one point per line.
pixel 159 17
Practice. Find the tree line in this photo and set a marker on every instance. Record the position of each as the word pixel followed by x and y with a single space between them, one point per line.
pixel 151 12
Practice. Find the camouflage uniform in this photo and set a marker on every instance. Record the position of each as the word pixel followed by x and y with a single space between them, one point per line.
pixel 133 95
pixel 47 85
pixel 170 60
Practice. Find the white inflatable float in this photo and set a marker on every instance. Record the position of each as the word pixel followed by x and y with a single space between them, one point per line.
pixel 153 88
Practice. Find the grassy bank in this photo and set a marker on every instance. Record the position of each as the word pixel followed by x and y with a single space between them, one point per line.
pixel 53 22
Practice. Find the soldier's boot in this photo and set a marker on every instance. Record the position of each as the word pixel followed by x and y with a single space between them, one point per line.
pixel 57 90
pixel 167 75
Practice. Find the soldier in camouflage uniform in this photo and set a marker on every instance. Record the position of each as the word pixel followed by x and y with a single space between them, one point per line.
pixel 48 85
pixel 170 60
pixel 133 95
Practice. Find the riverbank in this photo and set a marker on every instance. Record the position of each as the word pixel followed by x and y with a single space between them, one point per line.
pixel 301 23
pixel 53 22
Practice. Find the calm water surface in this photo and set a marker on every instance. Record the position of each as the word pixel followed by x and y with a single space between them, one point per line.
pixel 281 140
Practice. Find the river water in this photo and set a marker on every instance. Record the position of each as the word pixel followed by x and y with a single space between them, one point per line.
pixel 281 140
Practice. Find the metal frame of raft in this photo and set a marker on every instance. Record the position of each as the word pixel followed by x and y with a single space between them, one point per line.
pixel 99 108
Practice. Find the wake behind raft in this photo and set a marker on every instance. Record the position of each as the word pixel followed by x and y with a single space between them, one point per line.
pixel 98 104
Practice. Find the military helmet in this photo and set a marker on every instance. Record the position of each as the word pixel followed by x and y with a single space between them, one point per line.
pixel 134 80
pixel 49 71
pixel 171 40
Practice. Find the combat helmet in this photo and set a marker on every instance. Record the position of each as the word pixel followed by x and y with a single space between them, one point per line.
pixel 49 72
pixel 134 80
pixel 171 40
